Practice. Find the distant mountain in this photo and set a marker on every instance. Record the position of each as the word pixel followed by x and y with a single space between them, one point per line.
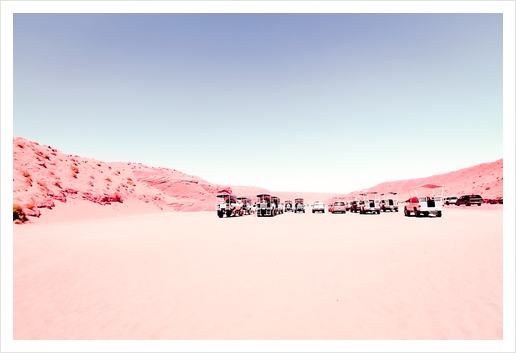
pixel 43 175
pixel 485 179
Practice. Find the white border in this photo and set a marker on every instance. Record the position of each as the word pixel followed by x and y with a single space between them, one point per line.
pixel 8 8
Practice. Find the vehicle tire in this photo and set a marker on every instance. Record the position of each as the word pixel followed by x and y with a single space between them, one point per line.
pixel 468 204
pixel 228 213
pixel 406 212
pixel 220 214
pixel 378 212
pixel 439 214
pixel 417 213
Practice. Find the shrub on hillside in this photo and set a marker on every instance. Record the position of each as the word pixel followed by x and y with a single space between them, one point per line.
pixel 18 214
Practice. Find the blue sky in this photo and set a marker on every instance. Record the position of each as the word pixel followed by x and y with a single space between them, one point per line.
pixel 290 102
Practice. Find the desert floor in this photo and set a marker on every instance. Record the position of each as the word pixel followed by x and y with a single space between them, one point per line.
pixel 308 276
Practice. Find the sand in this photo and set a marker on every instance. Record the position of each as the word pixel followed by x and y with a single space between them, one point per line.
pixel 191 276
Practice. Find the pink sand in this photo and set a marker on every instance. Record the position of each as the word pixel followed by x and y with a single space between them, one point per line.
pixel 115 274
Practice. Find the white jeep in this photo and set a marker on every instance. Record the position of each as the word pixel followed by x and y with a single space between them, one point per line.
pixel 229 205
pixel 389 202
pixel 318 206
pixel 370 203
pixel 422 202
pixel 265 206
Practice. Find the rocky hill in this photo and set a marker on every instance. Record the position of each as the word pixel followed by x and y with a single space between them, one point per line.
pixel 43 175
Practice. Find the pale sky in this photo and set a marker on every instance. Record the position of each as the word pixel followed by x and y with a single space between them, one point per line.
pixel 331 102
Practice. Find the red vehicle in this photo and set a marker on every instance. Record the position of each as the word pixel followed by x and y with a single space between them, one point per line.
pixel 338 206
pixel 354 206
pixel 498 200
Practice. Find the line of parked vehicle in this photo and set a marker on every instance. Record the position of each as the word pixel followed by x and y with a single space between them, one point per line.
pixel 265 205
pixel 469 200
pixel 366 202
pixel 424 200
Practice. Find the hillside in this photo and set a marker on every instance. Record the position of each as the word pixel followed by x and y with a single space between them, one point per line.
pixel 43 175
pixel 485 179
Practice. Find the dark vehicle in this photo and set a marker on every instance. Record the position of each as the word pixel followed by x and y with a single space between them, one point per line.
pixel 469 200
pixel 299 205
pixel 288 206
pixel 354 206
